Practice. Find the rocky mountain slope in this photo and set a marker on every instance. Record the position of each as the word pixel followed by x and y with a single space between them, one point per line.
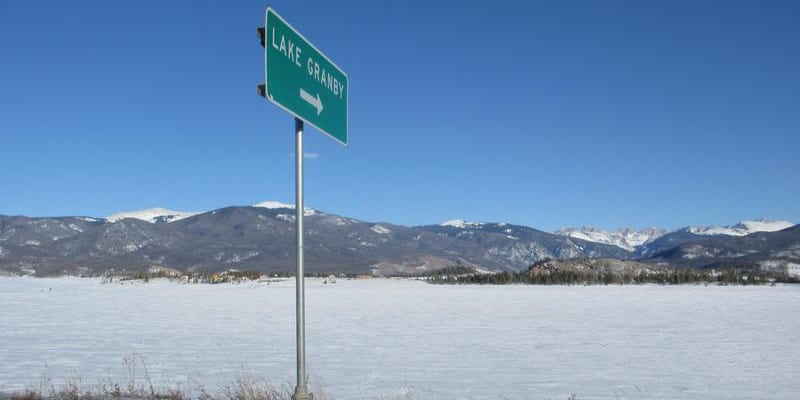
pixel 763 248
pixel 626 238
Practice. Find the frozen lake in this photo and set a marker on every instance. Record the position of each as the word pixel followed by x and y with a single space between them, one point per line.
pixel 401 339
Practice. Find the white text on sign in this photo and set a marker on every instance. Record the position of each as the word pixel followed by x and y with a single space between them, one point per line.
pixel 294 53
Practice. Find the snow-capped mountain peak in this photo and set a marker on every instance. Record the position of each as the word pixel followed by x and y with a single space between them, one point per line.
pixel 460 223
pixel 742 228
pixel 152 215
pixel 625 238
pixel 272 205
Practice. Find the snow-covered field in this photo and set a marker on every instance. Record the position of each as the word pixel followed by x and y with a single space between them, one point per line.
pixel 400 339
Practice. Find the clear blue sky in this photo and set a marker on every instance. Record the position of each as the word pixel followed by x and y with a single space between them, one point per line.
pixel 547 114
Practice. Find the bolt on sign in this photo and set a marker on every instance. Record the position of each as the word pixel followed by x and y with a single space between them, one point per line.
pixel 303 81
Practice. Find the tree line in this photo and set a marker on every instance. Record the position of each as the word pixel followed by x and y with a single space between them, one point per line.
pixel 539 274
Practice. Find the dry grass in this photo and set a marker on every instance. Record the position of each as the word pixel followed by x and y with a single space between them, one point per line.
pixel 139 386
pixel 242 389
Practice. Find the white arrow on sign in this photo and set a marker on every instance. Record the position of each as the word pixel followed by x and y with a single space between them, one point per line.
pixel 314 101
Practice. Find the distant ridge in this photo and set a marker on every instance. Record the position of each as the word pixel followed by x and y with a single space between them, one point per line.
pixel 633 240
pixel 743 228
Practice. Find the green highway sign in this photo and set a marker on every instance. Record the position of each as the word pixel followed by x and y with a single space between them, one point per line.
pixel 302 80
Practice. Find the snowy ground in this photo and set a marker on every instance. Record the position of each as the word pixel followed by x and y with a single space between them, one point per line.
pixel 392 339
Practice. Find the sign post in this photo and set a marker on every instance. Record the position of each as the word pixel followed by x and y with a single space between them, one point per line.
pixel 307 84
pixel 301 390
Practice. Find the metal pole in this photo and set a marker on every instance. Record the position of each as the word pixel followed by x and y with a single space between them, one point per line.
pixel 301 391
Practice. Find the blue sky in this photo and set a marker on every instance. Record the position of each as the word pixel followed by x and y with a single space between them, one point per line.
pixel 548 114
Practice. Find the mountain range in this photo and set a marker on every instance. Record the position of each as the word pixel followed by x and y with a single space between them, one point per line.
pixel 639 242
pixel 261 238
